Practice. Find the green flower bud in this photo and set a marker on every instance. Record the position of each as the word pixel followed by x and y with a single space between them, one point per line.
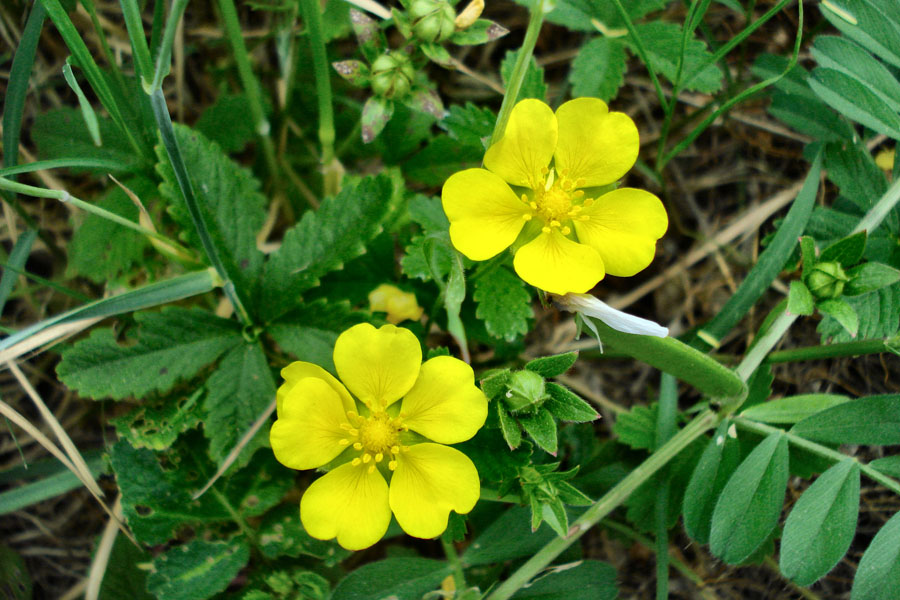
pixel 433 20
pixel 392 75
pixel 826 280
pixel 525 392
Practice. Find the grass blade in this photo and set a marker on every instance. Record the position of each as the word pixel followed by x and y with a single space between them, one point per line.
pixel 17 259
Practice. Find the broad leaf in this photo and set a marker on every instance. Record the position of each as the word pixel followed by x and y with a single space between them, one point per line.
pixel 172 344
pixel 749 506
pixel 566 406
pixel 599 69
pixel 878 573
pixel 717 463
pixel 821 525
pixel 196 570
pixel 504 303
pixel 793 408
pixel 552 366
pixel 397 578
pixel 542 429
pixel 872 420
pixel 662 42
pixel 582 580
pixel 510 536
pixel 533 85
pixel 62 133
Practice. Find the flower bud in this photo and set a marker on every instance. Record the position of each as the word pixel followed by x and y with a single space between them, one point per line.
pixel 433 20
pixel 826 280
pixel 392 75
pixel 526 392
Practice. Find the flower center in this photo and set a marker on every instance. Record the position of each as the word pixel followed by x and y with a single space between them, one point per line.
pixel 375 436
pixel 556 201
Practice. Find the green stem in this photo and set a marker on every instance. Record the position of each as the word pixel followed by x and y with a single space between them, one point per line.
pixel 764 345
pixel 665 429
pixel 630 533
pixel 65 197
pixel 642 52
pixel 878 212
pixel 131 14
pixel 164 56
pixel 312 15
pixel 855 348
pixel 818 450
pixel 248 80
pixel 519 69
pixel 459 577
pixel 702 423
pixel 236 516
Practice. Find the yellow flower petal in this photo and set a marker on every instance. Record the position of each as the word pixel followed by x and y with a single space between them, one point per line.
pixel 398 305
pixel 429 482
pixel 308 431
pixel 623 226
pixel 596 147
pixel 445 405
pixel 298 370
pixel 526 146
pixel 377 365
pixel 485 215
pixel 556 264
pixel 349 503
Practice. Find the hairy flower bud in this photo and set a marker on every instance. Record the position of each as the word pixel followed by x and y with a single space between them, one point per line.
pixel 826 280
pixel 392 75
pixel 433 20
pixel 526 392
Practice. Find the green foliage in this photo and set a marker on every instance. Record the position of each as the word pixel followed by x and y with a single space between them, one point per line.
pixel 748 508
pixel 62 133
pixel 123 578
pixel 504 303
pixel 599 69
pixel 552 366
pixel 821 525
pixel 587 580
pixel 577 15
pixel 509 537
pixel 229 201
pixel 282 534
pixel 156 424
pixel 878 573
pixel 309 331
pixel 171 345
pixel 547 491
pixel 533 85
pixel 789 410
pixel 719 460
pixel 567 406
pixel 231 109
pixel 323 241
pixel 102 250
pixel 237 393
pixel 400 578
pixel 662 41
pixel 871 420
pixel 196 570
pixel 637 427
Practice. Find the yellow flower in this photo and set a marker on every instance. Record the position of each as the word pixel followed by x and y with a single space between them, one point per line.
pixel 392 452
pixel 398 305
pixel 540 190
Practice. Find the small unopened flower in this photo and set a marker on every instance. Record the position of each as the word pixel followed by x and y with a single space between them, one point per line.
pixel 398 305
pixel 384 432
pixel 546 191
pixel 469 15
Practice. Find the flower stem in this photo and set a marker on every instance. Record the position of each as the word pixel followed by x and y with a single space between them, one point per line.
pixel 702 423
pixel 459 577
pixel 313 18
pixel 854 348
pixel 519 69
pixel 764 345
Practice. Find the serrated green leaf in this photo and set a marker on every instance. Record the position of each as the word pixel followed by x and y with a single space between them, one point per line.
pixel 878 313
pixel 854 99
pixel 584 580
pixel 196 570
pixel 872 420
pixel 552 366
pixel 102 250
pixel 282 534
pixel 869 277
pixel 172 344
pixel 493 383
pixel 469 124
pixel 578 14
pixel 637 427
pixel 842 312
pixel 599 69
pixel 428 213
pixel 504 304
pixel 324 240
pixel 237 393
pixel 259 486
pixel 800 299
pixel 442 157
pixel 533 85
pixel 310 331
pixel 62 133
pixel 400 578
pixel 662 42
pixel 229 199
pixel 567 406
pixel 156 424
pixel 749 506
pixel 428 258
pixel 719 460
pixel 878 573
pixel 230 109
pixel 542 429
pixel 810 116
pixel 790 410
pixel 821 525
pixel 847 251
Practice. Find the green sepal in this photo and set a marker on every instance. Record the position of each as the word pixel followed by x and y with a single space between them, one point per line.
pixel 847 251
pixel 376 113
pixel 481 31
pixel 493 383
pixel 800 299
pixel 437 54
pixel 426 101
pixel 869 277
pixel 542 429
pixel 567 406
pixel 808 251
pixel 509 428
pixel 842 312
pixel 368 34
pixel 355 72
pixel 552 366
pixel 401 22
